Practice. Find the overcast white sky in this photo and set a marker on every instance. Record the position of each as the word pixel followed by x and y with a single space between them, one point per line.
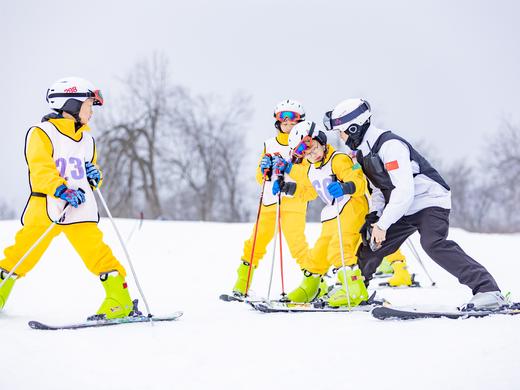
pixel 438 70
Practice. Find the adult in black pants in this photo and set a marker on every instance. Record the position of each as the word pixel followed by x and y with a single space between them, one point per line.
pixel 408 195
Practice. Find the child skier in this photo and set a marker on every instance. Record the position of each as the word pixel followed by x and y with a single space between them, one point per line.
pixel 61 158
pixel 293 207
pixel 408 195
pixel 326 164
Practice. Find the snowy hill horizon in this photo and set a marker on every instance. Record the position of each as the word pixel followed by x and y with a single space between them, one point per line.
pixel 217 345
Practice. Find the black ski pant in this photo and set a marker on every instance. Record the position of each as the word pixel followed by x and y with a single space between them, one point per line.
pixel 432 224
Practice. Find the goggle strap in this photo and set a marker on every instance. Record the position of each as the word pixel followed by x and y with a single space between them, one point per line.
pixel 351 115
pixel 71 95
pixel 311 130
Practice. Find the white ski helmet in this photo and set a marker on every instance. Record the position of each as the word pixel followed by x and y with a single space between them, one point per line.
pixel 351 116
pixel 69 93
pixel 289 106
pixel 305 129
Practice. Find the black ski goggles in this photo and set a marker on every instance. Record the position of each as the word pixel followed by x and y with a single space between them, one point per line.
pixel 329 123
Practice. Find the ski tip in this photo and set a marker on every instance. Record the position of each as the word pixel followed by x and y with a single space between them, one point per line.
pixel 231 298
pixel 37 325
pixel 261 307
pixel 385 313
pixel 224 297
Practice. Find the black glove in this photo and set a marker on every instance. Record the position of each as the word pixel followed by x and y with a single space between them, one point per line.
pixel 366 229
pixel 288 188
pixel 337 189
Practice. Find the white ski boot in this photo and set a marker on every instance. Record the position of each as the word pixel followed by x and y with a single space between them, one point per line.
pixel 491 300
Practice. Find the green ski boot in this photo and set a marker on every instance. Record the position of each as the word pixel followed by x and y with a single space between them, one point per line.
pixel 117 303
pixel 356 287
pixel 308 288
pixel 241 284
pixel 5 290
pixel 324 288
pixel 384 269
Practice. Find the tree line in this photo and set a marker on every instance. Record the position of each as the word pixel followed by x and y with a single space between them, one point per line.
pixel 173 154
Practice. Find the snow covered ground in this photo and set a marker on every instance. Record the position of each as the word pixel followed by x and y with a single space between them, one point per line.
pixel 217 345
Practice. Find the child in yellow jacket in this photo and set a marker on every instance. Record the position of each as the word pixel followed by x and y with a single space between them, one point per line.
pixel 293 207
pixel 61 158
pixel 348 193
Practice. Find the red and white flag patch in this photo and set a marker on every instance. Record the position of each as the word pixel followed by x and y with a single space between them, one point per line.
pixel 392 165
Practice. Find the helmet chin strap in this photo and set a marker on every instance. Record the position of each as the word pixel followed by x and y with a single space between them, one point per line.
pixel 73 107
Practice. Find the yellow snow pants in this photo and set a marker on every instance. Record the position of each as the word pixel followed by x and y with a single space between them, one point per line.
pixel 85 237
pixel 293 229
pixel 326 251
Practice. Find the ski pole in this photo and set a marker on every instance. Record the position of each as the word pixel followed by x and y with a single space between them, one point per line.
pixel 280 238
pixel 417 257
pixel 40 239
pixel 256 231
pixel 136 227
pixel 334 178
pixel 125 250
pixel 274 245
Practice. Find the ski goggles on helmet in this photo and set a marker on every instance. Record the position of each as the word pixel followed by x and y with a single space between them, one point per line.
pixel 303 148
pixel 291 116
pixel 96 95
pixel 330 123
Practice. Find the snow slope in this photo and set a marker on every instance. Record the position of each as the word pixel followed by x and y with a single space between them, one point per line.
pixel 219 345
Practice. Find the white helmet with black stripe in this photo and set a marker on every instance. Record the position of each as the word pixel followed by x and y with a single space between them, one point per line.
pixel 351 116
pixel 69 93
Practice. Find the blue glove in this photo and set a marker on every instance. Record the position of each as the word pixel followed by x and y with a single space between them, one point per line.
pixel 72 197
pixel 281 166
pixel 276 187
pixel 93 174
pixel 337 189
pixel 265 164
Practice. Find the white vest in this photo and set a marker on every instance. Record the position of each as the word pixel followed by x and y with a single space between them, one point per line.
pixel 320 179
pixel 273 146
pixel 70 157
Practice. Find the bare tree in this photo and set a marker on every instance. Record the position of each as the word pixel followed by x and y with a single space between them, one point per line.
pixel 171 153
pixel 504 173
pixel 484 198
pixel 207 155
pixel 131 152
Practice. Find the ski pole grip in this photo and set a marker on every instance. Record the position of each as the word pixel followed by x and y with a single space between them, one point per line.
pixel 334 178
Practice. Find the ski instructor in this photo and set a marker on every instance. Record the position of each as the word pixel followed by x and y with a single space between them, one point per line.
pixel 408 195
pixel 61 159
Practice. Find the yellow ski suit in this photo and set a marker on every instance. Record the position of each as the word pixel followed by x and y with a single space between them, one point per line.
pixel 44 178
pixel 326 251
pixel 292 214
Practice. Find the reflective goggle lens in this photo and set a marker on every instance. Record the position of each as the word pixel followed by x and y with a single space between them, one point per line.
pixel 303 147
pixel 98 98
pixel 327 122
pixel 283 116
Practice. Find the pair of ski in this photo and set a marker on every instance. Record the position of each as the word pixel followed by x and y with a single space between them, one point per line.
pixel 278 306
pixel 105 322
pixel 378 309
